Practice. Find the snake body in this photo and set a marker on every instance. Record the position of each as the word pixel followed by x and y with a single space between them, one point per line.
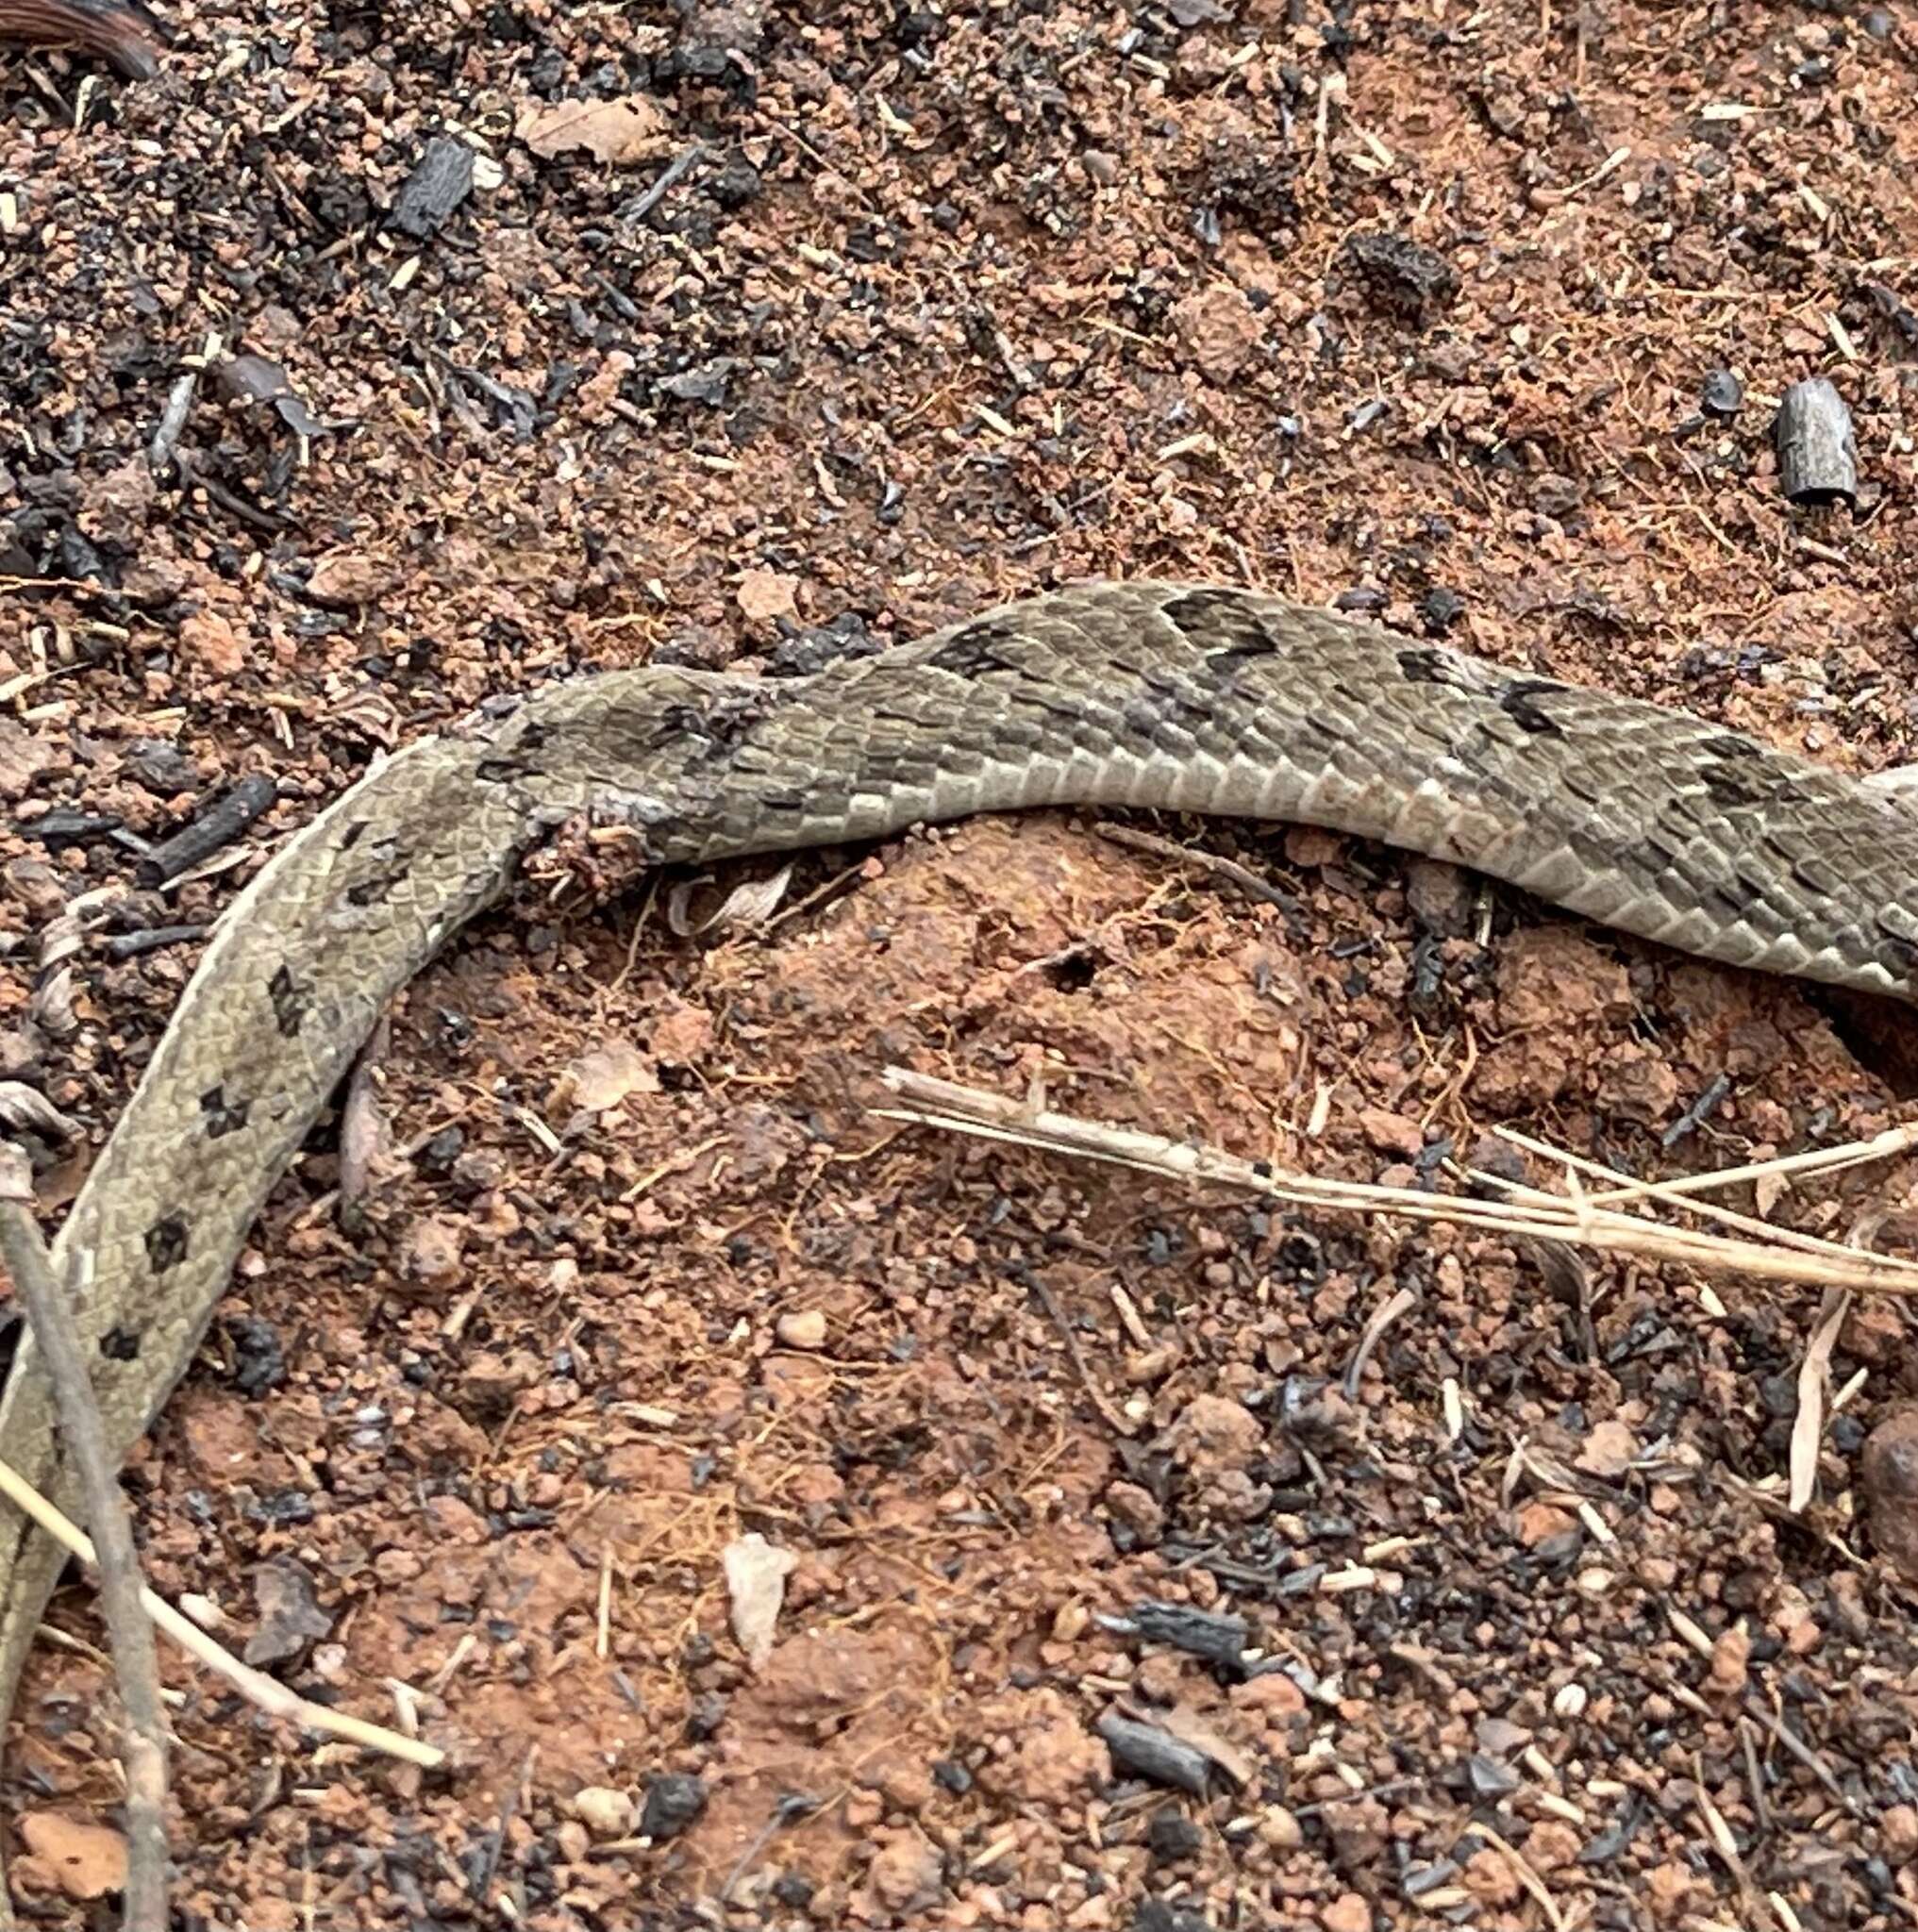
pixel 1190 697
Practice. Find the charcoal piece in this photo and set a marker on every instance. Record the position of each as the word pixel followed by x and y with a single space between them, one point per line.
pixel 1817 451
pixel 1218 1639
pixel 217 826
pixel 131 945
pixel 1402 276
pixel 1489 1778
pixel 441 180
pixel 162 767
pixel 67 825
pixel 1155 1755
pixel 1172 1836
pixel 1440 610
pixel 674 1800
pixel 254 379
pixel 1894 309
pixel 259 1363
pixel 1161 1915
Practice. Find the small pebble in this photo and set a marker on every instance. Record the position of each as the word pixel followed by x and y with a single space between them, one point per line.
pixel 803 1328
pixel 1888 1473
pixel 1441 896
pixel 1348 1912
pixel 1280 1830
pixel 431 1250
pixel 1172 1836
pixel 1722 395
pixel 604 1811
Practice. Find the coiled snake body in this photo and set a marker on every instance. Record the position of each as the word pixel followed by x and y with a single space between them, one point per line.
pixel 1194 698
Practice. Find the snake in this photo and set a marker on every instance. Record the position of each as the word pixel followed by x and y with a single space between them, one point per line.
pixel 1192 697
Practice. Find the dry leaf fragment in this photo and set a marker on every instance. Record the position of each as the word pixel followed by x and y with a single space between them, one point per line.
pixel 604 1078
pixel 1191 1728
pixel 750 904
pixel 756 1574
pixel 290 1613
pixel 632 128
pixel 22 1105
pixel 256 380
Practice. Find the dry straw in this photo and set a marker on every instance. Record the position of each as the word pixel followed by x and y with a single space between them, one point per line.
pixel 1619 1221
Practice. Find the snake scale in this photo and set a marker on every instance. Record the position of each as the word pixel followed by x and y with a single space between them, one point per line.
pixel 1190 697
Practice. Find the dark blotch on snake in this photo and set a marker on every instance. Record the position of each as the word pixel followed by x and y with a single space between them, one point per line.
pixel 166 1243
pixel 223 1116
pixel 290 1001
pixel 120 1345
pixel 1730 786
pixel 976 649
pixel 1519 700
pixel 1426 667
pixel 709 734
pixel 1223 614
pixel 371 891
pixel 511 762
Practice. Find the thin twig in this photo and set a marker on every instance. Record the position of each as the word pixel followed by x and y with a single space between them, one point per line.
pixel 142 1746
pixel 1523 1212
pixel 645 203
pixel 1377 1323
pixel 1812 1160
pixel 266 1694
pixel 1523 1873
pixel 1672 1194
pixel 1114 1421
pixel 1252 884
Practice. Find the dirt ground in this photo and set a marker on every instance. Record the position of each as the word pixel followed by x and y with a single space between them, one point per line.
pixel 804 328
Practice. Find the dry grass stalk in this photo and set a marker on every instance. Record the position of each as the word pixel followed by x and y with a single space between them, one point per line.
pixel 1671 1194
pixel 1772 1255
pixel 1808 1430
pixel 1813 1160
pixel 267 1693
pixel 1523 1872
